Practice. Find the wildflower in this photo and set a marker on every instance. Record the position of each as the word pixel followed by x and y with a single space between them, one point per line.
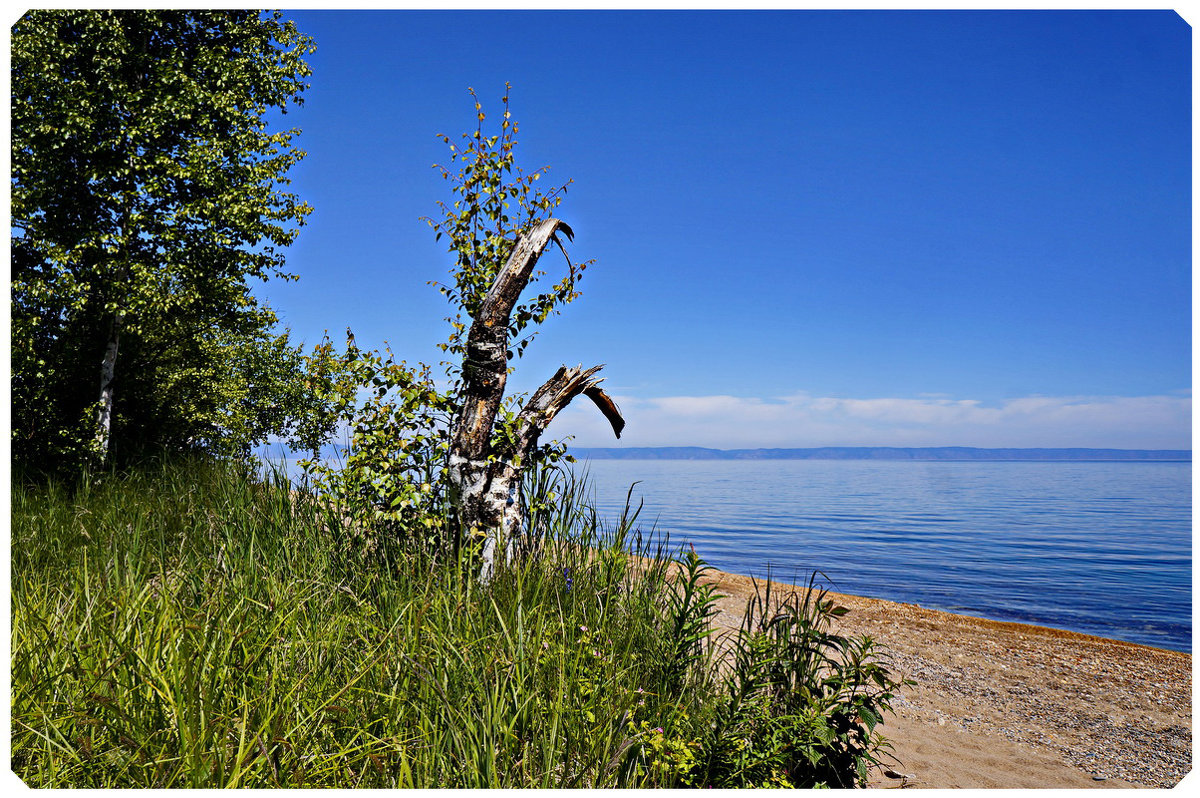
pixel 583 628
pixel 639 690
pixel 658 729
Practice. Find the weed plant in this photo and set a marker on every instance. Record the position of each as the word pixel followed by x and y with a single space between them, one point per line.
pixel 192 625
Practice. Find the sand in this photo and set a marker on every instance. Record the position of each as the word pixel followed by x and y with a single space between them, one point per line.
pixel 1016 706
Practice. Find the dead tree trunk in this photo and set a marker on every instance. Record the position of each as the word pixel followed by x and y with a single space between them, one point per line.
pixel 485 479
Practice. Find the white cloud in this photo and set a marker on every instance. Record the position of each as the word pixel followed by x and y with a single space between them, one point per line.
pixel 800 420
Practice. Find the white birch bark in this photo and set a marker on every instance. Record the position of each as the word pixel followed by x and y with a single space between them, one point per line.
pixel 107 376
pixel 485 483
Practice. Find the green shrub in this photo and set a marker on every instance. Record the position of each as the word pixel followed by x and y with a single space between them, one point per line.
pixel 802 704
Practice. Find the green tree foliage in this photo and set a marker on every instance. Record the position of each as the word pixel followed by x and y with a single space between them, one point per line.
pixel 147 190
pixel 495 201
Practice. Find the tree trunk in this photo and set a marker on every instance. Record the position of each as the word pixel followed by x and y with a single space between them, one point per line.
pixel 107 376
pixel 485 479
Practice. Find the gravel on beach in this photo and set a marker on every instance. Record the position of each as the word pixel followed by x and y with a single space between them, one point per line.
pixel 1112 714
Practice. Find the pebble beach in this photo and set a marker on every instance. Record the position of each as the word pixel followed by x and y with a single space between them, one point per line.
pixel 1008 705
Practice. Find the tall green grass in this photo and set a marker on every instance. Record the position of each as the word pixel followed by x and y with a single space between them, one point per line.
pixel 191 625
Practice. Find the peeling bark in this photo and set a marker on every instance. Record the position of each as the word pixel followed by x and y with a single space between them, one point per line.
pixel 485 483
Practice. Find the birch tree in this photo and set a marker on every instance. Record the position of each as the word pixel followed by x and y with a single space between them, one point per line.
pixel 426 452
pixel 147 190
pixel 499 226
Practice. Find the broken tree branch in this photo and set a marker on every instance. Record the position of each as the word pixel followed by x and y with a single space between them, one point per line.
pixel 485 367
pixel 554 395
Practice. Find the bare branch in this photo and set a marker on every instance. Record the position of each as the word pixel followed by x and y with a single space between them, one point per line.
pixel 608 407
pixel 554 395
pixel 511 280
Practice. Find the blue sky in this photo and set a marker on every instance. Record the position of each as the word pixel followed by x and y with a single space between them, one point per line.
pixel 842 228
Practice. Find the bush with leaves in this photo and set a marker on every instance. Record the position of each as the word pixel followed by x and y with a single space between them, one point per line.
pixel 396 416
pixel 803 703
pixel 495 201
pixel 387 486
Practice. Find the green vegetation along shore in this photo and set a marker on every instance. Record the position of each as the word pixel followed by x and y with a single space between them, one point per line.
pixel 190 625
pixel 188 622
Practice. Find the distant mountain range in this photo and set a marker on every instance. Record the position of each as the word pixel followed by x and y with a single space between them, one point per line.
pixel 878 453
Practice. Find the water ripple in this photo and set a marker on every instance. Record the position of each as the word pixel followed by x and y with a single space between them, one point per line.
pixel 1102 548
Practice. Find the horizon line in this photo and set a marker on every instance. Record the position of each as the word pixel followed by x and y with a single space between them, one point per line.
pixel 892 446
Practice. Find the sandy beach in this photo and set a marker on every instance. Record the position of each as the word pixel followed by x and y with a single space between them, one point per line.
pixel 1010 705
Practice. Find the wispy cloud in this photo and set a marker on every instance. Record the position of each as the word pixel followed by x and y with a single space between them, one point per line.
pixel 799 420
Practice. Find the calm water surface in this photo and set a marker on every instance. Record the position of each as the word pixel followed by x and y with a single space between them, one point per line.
pixel 1101 548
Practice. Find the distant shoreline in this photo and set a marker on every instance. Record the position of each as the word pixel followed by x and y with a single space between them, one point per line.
pixel 893 453
pixel 933 453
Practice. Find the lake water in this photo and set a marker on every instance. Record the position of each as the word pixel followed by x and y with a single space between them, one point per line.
pixel 1102 548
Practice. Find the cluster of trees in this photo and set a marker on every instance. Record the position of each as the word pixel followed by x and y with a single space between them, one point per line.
pixel 148 192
